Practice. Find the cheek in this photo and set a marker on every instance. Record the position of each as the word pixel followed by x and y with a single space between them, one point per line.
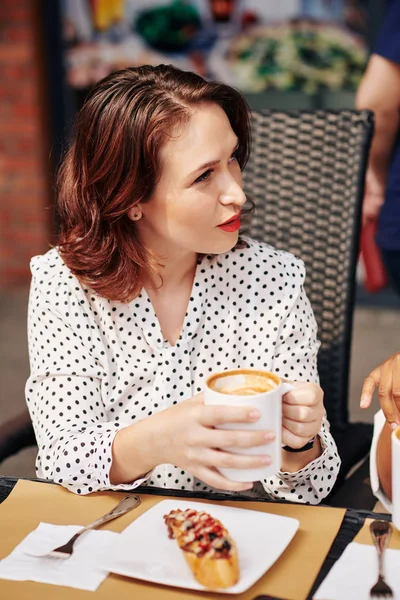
pixel 191 221
pixel 204 212
pixel 185 213
pixel 179 211
pixel 164 208
pixel 195 210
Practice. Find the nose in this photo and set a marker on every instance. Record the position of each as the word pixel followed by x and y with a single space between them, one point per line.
pixel 233 193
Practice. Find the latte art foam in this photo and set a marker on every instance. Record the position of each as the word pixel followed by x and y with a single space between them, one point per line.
pixel 243 382
pixel 246 391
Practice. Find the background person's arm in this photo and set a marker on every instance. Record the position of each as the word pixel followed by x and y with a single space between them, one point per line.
pixel 386 378
pixel 379 91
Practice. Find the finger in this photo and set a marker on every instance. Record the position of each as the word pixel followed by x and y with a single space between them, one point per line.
pixel 212 416
pixel 224 438
pixel 370 383
pixel 385 392
pixel 213 478
pixel 196 399
pixel 303 430
pixel 229 460
pixel 292 440
pixel 303 414
pixel 396 384
pixel 307 394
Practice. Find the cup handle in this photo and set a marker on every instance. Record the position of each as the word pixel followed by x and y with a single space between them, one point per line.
pixel 287 387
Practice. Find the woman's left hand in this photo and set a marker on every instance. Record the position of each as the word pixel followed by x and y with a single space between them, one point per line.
pixel 302 414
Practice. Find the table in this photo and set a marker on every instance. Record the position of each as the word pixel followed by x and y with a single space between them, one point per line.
pixel 350 521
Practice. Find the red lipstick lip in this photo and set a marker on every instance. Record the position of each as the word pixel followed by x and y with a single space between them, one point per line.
pixel 231 220
pixel 231 225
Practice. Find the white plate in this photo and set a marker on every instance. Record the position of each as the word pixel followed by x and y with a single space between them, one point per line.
pixel 144 550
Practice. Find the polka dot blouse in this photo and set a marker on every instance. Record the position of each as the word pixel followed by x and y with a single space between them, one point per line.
pixel 98 366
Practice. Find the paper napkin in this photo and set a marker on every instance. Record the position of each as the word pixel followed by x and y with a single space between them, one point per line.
pixel 356 571
pixel 77 571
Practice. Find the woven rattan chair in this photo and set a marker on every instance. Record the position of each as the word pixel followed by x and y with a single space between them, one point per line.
pixel 306 177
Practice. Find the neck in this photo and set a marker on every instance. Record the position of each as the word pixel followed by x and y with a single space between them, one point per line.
pixel 176 270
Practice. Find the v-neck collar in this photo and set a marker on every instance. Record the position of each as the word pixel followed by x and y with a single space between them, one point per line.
pixel 146 318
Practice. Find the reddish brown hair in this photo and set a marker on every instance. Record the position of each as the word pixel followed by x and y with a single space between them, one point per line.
pixel 113 164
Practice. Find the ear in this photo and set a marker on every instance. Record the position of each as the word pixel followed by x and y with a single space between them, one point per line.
pixel 135 213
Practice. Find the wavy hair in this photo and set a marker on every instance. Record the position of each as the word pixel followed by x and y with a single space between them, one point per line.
pixel 114 164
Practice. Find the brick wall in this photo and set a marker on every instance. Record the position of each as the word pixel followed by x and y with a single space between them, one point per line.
pixel 25 172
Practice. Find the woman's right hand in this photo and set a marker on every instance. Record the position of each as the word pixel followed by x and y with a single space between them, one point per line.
pixel 387 378
pixel 184 435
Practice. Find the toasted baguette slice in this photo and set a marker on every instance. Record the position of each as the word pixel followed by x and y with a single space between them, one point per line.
pixel 207 547
pixel 214 573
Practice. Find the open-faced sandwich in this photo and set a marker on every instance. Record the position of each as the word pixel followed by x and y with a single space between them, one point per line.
pixel 206 545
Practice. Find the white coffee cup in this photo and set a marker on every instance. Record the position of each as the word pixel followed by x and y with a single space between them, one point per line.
pixel 396 478
pixel 244 387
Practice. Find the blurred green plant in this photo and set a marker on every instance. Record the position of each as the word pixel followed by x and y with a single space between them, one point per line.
pixel 169 28
pixel 300 56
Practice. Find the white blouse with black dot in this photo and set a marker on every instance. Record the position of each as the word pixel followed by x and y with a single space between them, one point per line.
pixel 98 365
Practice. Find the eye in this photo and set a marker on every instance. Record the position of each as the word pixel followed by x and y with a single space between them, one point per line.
pixel 235 156
pixel 204 176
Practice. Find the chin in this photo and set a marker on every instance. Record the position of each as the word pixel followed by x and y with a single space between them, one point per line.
pixel 225 243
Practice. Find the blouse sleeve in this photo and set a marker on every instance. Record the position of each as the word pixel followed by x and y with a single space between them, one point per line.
pixel 296 359
pixel 63 395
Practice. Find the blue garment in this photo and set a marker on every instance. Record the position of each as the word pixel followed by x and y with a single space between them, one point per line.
pixel 388 46
pixel 391 259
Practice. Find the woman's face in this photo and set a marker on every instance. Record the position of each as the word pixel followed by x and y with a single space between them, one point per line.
pixel 199 191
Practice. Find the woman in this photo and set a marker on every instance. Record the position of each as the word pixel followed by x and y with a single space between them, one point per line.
pixel 150 291
pixel 386 378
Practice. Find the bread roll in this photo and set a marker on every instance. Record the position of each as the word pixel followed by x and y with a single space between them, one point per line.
pixel 207 547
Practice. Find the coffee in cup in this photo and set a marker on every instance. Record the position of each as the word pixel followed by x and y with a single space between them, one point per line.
pixel 243 382
pixel 257 389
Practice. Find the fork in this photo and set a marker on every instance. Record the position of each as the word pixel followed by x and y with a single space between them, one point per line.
pixel 381 532
pixel 125 505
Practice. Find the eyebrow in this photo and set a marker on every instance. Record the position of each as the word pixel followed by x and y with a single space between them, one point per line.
pixel 206 165
pixel 211 163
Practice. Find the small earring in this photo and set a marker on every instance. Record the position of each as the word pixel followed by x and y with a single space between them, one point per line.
pixel 137 215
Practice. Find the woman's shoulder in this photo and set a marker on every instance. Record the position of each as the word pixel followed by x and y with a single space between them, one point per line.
pixel 49 266
pixel 54 285
pixel 53 279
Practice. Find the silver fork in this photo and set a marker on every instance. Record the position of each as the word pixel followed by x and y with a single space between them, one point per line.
pixel 125 505
pixel 381 532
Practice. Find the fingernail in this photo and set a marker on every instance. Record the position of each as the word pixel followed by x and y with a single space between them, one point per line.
pixel 364 401
pixel 265 460
pixel 269 436
pixel 254 415
pixel 393 425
